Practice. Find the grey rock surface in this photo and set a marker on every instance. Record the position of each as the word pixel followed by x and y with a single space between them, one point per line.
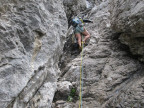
pixel 32 35
pixel 127 19
pixel 36 72
pixel 112 78
pixel 74 7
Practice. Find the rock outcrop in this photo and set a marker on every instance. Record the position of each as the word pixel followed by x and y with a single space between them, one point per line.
pixel 36 72
pixel 127 19
pixel 112 77
pixel 73 7
pixel 32 35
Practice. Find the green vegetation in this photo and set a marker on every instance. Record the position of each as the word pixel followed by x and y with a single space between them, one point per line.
pixel 72 94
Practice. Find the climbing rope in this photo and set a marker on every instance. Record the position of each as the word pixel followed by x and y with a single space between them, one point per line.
pixel 81 79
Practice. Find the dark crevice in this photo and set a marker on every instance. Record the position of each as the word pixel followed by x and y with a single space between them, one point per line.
pixel 123 47
pixel 70 51
pixel 59 96
pixel 129 53
pixel 115 36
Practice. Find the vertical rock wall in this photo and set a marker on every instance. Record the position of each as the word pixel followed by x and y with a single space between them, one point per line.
pixel 112 78
pixel 32 35
pixel 74 7
pixel 127 19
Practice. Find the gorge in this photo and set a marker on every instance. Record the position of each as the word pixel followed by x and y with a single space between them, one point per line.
pixel 39 64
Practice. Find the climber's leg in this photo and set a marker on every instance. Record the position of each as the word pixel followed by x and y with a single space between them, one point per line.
pixel 86 34
pixel 78 36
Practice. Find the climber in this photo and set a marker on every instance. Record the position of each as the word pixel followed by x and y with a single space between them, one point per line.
pixel 78 25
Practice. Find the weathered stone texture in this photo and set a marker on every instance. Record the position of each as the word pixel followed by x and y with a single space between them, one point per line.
pixel 74 7
pixel 111 77
pixel 32 35
pixel 127 18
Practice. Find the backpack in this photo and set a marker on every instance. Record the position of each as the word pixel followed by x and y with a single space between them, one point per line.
pixel 77 21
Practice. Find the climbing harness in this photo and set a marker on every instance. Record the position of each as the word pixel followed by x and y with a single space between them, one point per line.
pixel 81 78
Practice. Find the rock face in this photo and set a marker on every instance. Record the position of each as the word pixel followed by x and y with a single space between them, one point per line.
pixel 32 36
pixel 128 20
pixel 74 7
pixel 33 33
pixel 112 78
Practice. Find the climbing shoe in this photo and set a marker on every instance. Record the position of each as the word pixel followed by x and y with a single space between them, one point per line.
pixel 80 48
pixel 84 43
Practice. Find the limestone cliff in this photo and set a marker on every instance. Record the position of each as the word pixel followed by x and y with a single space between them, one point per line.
pixel 127 19
pixel 39 64
pixel 112 76
pixel 32 35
